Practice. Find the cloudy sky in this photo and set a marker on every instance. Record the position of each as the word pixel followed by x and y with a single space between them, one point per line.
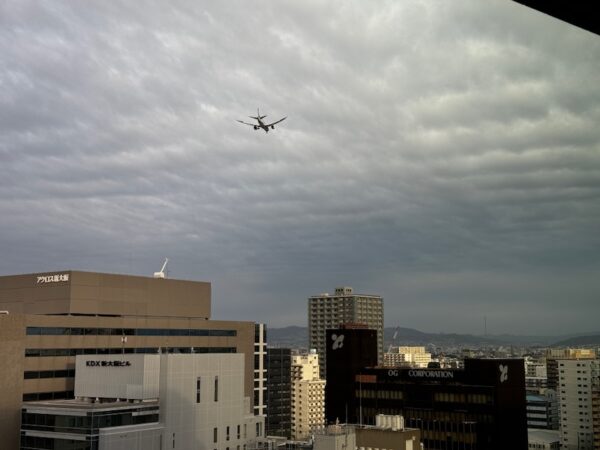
pixel 445 155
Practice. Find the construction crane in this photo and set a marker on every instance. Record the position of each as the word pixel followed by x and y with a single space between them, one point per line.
pixel 161 274
pixel 393 340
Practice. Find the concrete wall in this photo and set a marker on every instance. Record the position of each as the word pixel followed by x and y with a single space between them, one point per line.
pixel 189 424
pixel 125 377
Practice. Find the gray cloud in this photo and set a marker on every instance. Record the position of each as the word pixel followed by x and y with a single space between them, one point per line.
pixel 446 156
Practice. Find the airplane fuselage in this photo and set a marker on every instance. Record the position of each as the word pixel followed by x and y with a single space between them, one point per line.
pixel 262 125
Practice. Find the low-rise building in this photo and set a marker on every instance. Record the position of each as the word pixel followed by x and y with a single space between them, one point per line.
pixel 543 439
pixel 542 410
pixel 389 433
pixel 407 356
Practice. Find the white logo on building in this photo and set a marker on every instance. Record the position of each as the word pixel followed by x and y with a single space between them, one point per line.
pixel 42 279
pixel 338 341
pixel 503 373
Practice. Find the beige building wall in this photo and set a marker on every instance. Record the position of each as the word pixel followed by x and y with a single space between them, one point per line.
pixel 12 341
pixel 75 292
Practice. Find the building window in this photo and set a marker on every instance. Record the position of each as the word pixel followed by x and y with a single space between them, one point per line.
pixel 238 434
pixel 215 434
pixel 227 434
pixel 216 388
pixel 198 385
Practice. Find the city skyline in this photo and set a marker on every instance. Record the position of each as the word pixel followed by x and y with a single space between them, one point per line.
pixel 443 156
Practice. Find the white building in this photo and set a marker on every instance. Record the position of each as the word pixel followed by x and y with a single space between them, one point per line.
pixel 153 402
pixel 260 369
pixel 308 396
pixel 579 396
pixel 203 405
pixel 407 356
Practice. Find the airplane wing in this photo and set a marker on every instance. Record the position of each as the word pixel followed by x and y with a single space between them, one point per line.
pixel 246 123
pixel 280 120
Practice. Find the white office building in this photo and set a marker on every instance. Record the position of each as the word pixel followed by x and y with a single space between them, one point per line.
pixel 149 402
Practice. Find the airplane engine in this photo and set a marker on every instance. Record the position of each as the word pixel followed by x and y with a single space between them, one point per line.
pixel 255 127
pixel 272 127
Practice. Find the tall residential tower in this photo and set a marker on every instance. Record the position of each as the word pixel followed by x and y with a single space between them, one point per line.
pixel 327 311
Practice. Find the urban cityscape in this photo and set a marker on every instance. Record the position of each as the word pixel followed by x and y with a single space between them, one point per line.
pixel 322 225
pixel 109 361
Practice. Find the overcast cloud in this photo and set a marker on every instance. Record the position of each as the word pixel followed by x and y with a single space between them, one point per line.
pixel 445 155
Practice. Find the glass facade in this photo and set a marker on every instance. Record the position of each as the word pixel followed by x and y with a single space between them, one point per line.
pixel 85 425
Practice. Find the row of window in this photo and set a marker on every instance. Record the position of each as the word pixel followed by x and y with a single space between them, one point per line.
pixel 35 374
pixel 69 331
pixel 90 423
pixel 199 386
pixel 43 443
pixel 258 432
pixel 39 396
pixel 35 352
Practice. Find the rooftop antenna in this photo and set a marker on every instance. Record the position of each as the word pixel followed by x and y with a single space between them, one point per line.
pixel 161 274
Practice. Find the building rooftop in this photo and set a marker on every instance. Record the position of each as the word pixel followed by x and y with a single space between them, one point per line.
pixel 542 436
pixel 86 405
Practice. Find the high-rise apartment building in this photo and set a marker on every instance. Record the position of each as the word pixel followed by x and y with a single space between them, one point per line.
pixel 554 354
pixel 53 317
pixel 327 311
pixel 579 397
pixel 308 396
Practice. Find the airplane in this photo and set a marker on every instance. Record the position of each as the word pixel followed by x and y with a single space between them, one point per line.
pixel 261 124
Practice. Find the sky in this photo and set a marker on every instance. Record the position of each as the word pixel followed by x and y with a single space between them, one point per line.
pixel 444 155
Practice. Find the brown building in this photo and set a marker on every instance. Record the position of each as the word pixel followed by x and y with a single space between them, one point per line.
pixel 47 319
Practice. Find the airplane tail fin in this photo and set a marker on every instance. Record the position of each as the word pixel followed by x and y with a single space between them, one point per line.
pixel 258 116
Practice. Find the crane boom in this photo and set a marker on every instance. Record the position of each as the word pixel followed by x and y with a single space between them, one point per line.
pixel 161 274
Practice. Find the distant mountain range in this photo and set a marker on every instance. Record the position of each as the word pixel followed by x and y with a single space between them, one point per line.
pixel 297 337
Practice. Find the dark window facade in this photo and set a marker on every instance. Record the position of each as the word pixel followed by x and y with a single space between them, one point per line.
pixel 40 352
pixel 470 408
pixel 279 392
